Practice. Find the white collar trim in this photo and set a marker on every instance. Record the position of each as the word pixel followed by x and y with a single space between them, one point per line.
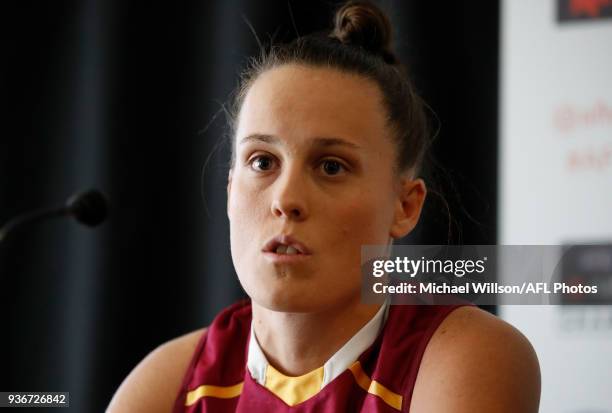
pixel 257 363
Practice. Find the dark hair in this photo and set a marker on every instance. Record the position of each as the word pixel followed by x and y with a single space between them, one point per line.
pixel 359 43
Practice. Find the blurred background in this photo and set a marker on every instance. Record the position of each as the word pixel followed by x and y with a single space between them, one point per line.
pixel 128 96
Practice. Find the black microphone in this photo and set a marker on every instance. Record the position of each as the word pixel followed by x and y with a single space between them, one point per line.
pixel 89 208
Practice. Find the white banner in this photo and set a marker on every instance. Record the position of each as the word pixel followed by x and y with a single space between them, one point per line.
pixel 556 178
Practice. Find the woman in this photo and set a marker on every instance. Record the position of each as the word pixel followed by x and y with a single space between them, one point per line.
pixel 329 140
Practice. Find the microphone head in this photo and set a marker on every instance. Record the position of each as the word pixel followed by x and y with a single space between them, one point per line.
pixel 89 208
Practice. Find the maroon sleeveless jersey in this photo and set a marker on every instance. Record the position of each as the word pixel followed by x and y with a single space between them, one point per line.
pixel 380 380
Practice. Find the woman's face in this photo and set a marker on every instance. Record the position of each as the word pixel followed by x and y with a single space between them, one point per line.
pixel 314 161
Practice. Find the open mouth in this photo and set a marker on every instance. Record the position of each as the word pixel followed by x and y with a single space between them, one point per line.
pixel 287 250
pixel 285 244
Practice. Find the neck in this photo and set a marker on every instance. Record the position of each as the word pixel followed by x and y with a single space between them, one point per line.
pixel 297 343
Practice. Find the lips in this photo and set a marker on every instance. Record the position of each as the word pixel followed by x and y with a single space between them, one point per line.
pixel 286 244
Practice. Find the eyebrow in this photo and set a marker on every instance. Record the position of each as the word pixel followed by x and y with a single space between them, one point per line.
pixel 317 141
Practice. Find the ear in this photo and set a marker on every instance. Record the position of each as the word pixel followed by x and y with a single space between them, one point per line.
pixel 229 188
pixel 409 203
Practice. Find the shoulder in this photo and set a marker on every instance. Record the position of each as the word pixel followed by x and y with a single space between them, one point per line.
pixel 154 383
pixel 477 362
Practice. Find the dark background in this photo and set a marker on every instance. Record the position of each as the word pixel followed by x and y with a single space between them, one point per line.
pixel 126 96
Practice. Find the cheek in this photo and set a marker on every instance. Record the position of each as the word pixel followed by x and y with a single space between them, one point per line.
pixel 360 222
pixel 245 204
pixel 246 213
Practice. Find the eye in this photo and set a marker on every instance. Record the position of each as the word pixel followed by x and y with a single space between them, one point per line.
pixel 332 167
pixel 261 163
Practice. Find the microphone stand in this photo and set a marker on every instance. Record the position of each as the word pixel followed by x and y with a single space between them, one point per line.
pixel 88 208
pixel 30 217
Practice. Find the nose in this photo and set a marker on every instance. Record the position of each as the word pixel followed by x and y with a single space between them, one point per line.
pixel 289 200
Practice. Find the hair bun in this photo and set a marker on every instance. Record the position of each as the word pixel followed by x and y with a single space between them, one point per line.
pixel 363 24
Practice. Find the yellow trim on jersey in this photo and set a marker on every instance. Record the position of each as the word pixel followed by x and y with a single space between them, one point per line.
pixel 293 390
pixel 222 392
pixel 373 387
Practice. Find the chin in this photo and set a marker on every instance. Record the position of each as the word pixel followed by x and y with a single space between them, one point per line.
pixel 285 306
pixel 286 297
